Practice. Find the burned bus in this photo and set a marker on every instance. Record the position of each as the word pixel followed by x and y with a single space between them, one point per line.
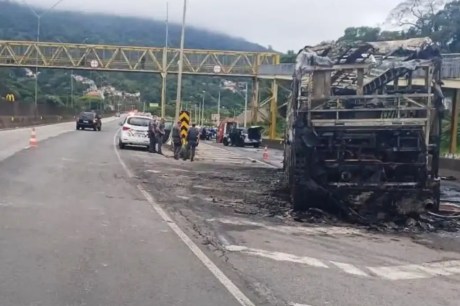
pixel 363 127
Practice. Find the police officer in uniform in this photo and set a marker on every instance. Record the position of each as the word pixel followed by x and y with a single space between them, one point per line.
pixel 176 139
pixel 152 135
pixel 192 140
pixel 160 134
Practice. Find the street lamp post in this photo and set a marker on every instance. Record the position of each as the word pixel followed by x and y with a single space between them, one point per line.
pixel 195 117
pixel 218 108
pixel 245 104
pixel 39 17
pixel 181 61
pixel 202 109
pixel 165 64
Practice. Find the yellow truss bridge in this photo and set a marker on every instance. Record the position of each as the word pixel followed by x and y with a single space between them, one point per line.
pixel 134 59
pixel 164 61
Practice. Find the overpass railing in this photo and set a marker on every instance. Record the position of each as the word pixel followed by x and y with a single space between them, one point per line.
pixel 277 70
pixel 450 68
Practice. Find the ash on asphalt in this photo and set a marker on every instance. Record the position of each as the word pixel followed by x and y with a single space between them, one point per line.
pixel 239 190
pixel 255 191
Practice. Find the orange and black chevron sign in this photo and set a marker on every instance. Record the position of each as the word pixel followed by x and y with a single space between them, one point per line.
pixel 184 118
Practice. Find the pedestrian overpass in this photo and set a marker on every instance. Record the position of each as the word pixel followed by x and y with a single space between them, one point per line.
pixel 163 61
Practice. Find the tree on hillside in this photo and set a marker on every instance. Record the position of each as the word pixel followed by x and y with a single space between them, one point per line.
pixel 17 23
pixel 431 18
pixel 289 57
pixel 352 34
pixel 417 18
pixel 447 31
pixel 416 14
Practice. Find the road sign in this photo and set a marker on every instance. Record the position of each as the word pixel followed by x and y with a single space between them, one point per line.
pixel 94 64
pixel 184 118
pixel 10 97
pixel 217 69
pixel 154 105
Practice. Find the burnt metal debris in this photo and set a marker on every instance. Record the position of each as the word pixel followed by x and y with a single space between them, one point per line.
pixel 361 136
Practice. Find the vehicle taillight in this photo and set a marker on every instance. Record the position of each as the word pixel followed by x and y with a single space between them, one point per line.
pixel 125 128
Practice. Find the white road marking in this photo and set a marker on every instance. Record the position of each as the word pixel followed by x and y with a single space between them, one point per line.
pixel 203 187
pixel 402 272
pixel 349 268
pixel 297 304
pixel 180 170
pixel 426 270
pixel 399 272
pixel 325 230
pixel 278 256
pixel 223 279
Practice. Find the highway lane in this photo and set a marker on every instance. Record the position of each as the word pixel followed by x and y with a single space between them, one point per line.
pixel 15 140
pixel 75 230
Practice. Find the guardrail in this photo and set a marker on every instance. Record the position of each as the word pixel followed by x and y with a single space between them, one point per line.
pixel 8 122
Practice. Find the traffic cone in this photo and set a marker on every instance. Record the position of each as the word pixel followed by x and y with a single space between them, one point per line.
pixel 265 155
pixel 33 139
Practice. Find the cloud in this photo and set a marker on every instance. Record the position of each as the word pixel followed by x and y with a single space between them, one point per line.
pixel 283 24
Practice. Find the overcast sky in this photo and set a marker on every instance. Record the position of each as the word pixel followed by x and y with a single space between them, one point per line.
pixel 283 24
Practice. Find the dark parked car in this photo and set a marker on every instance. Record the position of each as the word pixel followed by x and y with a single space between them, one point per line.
pixel 241 137
pixel 89 120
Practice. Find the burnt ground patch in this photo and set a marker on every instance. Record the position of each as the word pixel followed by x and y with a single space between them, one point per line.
pixel 204 190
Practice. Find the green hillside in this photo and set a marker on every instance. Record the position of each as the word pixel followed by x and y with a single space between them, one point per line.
pixel 18 23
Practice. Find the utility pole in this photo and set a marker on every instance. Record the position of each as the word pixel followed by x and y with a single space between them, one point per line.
pixel 202 109
pixel 181 62
pixel 165 66
pixel 245 104
pixel 71 88
pixel 195 117
pixel 218 108
pixel 39 17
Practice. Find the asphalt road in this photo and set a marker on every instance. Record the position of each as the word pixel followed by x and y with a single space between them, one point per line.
pixel 220 196
pixel 84 223
pixel 75 230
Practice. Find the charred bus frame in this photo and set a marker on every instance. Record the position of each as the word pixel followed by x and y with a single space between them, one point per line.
pixel 365 144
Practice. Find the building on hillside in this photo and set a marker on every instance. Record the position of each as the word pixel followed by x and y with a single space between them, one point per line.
pixel 95 94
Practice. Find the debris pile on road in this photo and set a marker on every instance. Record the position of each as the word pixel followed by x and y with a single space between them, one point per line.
pixel 380 218
pixel 401 223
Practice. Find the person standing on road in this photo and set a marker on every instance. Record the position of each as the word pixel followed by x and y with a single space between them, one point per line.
pixel 159 135
pixel 192 140
pixel 152 138
pixel 176 139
